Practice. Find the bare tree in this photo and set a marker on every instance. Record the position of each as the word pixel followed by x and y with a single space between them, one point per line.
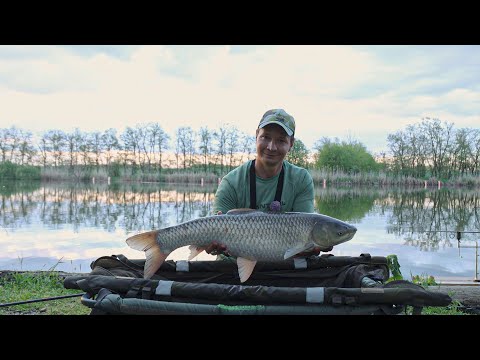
pixel 57 140
pixel 162 139
pixel 130 143
pixel 26 148
pixel 4 143
pixel 85 148
pixel 248 146
pixel 475 150
pixel 440 138
pixel 232 144
pixel 205 145
pixel 73 141
pixel 184 143
pixel 110 144
pixel 96 145
pixel 44 147
pixel 220 138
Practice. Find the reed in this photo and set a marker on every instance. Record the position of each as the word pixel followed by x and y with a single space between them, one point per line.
pixel 340 178
pixel 185 177
pixel 102 173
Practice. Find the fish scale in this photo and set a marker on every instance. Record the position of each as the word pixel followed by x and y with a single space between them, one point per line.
pixel 248 236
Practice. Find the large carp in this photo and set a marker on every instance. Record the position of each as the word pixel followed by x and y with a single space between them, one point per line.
pixel 249 235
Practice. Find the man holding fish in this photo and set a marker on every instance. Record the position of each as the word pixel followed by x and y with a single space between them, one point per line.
pixel 264 211
pixel 268 183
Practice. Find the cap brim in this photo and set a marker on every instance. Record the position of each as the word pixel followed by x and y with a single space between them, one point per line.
pixel 287 130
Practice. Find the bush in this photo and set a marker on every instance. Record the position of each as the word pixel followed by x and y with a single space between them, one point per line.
pixel 9 170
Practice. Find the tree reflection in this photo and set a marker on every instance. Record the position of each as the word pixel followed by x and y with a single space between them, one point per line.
pixel 429 219
pixel 420 217
pixel 135 207
pixel 345 204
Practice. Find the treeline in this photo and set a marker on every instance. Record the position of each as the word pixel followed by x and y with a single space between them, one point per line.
pixel 430 149
pixel 145 146
pixel 434 148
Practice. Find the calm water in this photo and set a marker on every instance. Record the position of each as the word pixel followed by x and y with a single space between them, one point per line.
pixel 66 226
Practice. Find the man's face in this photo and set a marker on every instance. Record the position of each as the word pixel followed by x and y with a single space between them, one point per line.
pixel 273 144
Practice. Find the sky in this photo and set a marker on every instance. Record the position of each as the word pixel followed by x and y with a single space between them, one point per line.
pixel 359 92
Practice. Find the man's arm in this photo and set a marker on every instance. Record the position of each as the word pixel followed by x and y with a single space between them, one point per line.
pixel 304 200
pixel 225 198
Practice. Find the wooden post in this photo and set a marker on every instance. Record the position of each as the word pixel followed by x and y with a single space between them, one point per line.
pixel 108 180
pixel 439 184
pixel 93 180
pixel 425 184
pixel 476 262
pixel 201 182
pixel 324 183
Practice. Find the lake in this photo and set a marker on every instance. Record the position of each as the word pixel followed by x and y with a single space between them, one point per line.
pixel 65 227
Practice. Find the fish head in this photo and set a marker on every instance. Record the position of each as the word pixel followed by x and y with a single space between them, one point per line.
pixel 328 232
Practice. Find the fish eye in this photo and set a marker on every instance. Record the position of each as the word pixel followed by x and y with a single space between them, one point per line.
pixel 339 233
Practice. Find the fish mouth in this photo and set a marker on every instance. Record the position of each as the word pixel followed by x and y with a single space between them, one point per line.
pixel 348 234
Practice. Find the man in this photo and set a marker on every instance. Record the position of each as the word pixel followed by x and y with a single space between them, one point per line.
pixel 268 183
pixel 257 183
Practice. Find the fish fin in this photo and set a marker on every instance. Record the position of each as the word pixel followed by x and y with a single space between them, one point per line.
pixel 155 259
pixel 194 251
pixel 147 242
pixel 245 268
pixel 298 249
pixel 242 211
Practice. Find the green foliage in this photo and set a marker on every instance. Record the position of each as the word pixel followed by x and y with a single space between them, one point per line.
pixel 115 169
pixel 8 188
pixel 351 157
pixel 298 155
pixel 348 207
pixel 9 170
pixel 394 267
pixel 453 309
pixel 424 280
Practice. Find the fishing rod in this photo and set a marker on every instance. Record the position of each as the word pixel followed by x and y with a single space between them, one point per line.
pixel 452 232
pixel 459 233
pixel 38 300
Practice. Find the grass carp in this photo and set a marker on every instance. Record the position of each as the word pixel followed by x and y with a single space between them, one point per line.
pixel 249 235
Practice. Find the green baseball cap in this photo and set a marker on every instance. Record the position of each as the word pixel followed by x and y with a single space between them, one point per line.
pixel 279 117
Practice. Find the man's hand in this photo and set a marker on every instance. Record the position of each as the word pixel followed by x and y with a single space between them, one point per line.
pixel 316 250
pixel 215 248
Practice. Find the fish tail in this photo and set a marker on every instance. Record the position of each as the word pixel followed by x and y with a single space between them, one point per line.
pixel 154 256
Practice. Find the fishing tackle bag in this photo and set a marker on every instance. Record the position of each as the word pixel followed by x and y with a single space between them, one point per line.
pixel 325 284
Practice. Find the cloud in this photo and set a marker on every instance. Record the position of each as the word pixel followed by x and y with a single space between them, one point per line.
pixel 333 91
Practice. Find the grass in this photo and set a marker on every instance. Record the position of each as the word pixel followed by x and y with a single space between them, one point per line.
pixel 23 286
pixel 453 309
pixel 424 280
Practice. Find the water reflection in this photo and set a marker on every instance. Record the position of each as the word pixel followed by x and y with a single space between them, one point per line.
pixel 346 204
pixel 429 219
pixel 132 207
pixel 81 222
